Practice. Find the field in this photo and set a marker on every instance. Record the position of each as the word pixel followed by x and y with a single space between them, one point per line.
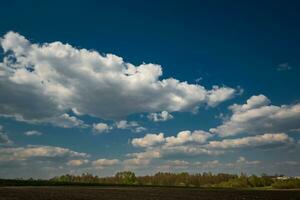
pixel 140 193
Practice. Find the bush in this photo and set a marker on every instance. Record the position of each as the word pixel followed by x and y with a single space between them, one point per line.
pixel 287 184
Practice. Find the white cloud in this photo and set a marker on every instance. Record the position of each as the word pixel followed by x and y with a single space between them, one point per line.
pixel 217 95
pixel 141 159
pixel 257 115
pixel 178 162
pixel 159 117
pixel 139 129
pixel 287 162
pixel 136 162
pixel 40 161
pixel 174 164
pixel 196 143
pixel 148 140
pixel 209 164
pixel 54 78
pixel 197 80
pixel 188 150
pixel 158 146
pixel 258 140
pixel 146 155
pixel 32 133
pixel 101 128
pixel 131 125
pixel 78 162
pixel 182 137
pixel 38 152
pixel 102 163
pixel 241 162
pixel 122 124
pixel 67 121
pixel 4 139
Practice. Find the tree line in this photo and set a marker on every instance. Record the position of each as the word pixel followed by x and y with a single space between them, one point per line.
pixel 184 179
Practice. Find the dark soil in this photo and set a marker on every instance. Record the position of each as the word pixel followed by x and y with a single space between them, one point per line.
pixel 140 193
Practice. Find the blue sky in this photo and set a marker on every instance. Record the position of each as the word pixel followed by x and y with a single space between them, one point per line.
pixel 149 86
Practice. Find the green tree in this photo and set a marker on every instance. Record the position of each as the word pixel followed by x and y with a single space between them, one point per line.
pixel 126 177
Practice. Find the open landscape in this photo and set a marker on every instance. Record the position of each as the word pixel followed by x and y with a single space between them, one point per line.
pixel 150 100
pixel 142 193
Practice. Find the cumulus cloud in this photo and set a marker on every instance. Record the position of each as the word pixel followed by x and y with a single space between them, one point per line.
pixel 141 158
pixel 257 115
pixel 188 150
pixel 136 162
pixel 148 140
pixel 4 139
pixel 209 164
pixel 160 117
pixel 196 143
pixel 158 146
pixel 67 121
pixel 253 141
pixel 182 137
pixel 32 133
pixel 101 128
pixel 241 162
pixel 78 162
pixel 38 153
pixel 122 124
pixel 55 78
pixel 102 163
pixel 131 125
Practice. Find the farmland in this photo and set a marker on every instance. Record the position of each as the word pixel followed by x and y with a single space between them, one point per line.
pixel 145 193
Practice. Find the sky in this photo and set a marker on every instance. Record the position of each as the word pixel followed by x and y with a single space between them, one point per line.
pixel 149 86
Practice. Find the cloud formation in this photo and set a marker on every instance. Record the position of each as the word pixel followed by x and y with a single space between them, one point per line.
pixel 182 137
pixel 158 146
pixel 131 125
pixel 141 159
pixel 101 128
pixel 55 78
pixel 240 163
pixel 38 152
pixel 258 116
pixel 78 162
pixel 32 133
pixel 122 124
pixel 101 163
pixel 148 140
pixel 196 143
pixel 160 117
pixel 253 141
pixel 4 139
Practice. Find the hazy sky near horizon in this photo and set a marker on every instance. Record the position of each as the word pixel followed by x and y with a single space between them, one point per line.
pixel 100 87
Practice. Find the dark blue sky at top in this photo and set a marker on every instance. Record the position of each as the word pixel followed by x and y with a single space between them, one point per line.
pixel 232 43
